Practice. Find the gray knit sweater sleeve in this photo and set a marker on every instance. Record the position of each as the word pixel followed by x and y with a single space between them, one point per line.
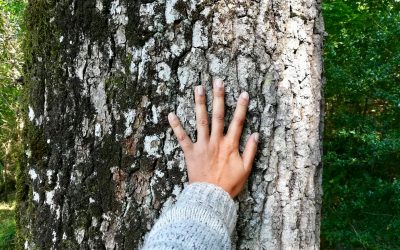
pixel 203 217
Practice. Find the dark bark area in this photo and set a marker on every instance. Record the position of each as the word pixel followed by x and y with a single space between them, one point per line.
pixel 101 162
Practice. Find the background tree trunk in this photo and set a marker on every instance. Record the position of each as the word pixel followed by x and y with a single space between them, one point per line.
pixel 101 161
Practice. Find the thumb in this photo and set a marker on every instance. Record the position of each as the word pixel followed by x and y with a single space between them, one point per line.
pixel 250 151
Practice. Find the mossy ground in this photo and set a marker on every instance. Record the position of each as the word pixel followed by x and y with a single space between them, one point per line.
pixel 7 225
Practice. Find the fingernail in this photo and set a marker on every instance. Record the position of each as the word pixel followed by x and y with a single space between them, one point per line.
pixel 200 90
pixel 256 137
pixel 219 83
pixel 244 95
pixel 171 117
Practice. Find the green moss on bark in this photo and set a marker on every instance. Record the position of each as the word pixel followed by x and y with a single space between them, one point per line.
pixel 39 51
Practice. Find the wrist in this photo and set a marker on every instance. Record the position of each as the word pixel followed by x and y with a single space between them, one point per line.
pixel 213 198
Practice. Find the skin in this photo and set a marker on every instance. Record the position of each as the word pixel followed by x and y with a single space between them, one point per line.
pixel 215 157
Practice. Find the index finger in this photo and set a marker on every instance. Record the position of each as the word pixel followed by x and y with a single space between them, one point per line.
pixel 183 139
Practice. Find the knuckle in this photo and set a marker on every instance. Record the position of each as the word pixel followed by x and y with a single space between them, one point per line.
pixel 239 121
pixel 175 124
pixel 219 93
pixel 181 138
pixel 218 116
pixel 203 122
pixel 201 100
pixel 230 147
pixel 243 102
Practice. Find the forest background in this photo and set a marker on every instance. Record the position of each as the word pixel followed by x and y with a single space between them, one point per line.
pixel 361 201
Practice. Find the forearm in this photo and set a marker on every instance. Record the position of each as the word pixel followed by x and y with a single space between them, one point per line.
pixel 203 217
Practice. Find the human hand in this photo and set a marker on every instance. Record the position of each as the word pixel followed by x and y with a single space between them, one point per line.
pixel 215 158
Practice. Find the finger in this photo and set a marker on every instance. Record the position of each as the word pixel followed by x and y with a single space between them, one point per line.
pixel 217 127
pixel 239 117
pixel 179 132
pixel 250 151
pixel 201 114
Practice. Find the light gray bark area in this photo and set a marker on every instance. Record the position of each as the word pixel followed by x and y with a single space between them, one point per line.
pixel 272 49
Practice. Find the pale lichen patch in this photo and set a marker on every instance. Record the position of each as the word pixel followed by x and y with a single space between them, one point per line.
pixel 97 130
pixel 54 236
pixel 164 71
pixel 31 114
pixel 49 198
pixel 109 230
pixel 32 173
pixel 79 235
pixel 216 65
pixel 120 36
pixel 151 145
pixel 199 38
pixel 99 5
pixel 156 113
pixel 147 9
pixel 49 174
pixel 159 174
pixel 183 76
pixel 35 196
pixel 28 153
pixel 94 222
pixel 171 14
pixel 129 119
pixel 169 145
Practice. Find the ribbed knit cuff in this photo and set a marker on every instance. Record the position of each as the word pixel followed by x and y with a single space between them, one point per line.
pixel 212 197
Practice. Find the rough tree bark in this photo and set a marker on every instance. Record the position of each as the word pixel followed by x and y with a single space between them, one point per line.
pixel 101 76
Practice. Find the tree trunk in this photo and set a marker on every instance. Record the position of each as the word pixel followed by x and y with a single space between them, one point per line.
pixel 101 162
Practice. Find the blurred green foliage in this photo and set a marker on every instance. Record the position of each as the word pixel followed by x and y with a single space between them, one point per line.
pixel 11 12
pixel 7 225
pixel 10 89
pixel 361 203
